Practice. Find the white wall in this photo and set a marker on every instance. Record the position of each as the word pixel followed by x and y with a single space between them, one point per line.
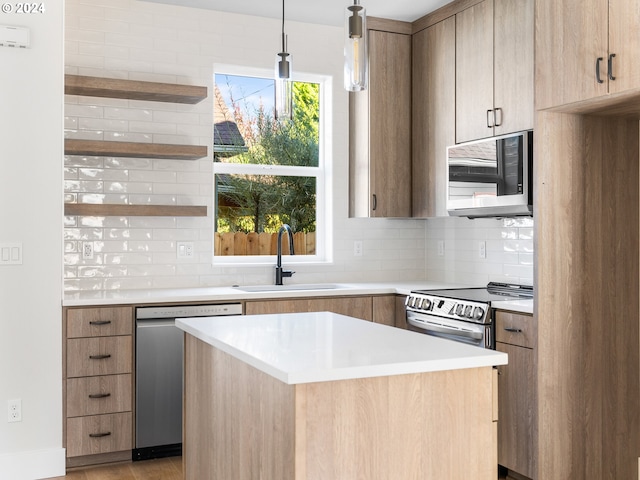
pixel 31 105
pixel 148 41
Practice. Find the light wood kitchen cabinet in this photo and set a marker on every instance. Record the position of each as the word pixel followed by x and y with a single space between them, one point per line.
pixel 380 130
pixel 384 310
pixel 98 384
pixel 586 50
pixel 433 117
pixel 401 312
pixel 494 69
pixel 517 386
pixel 378 309
pixel 358 307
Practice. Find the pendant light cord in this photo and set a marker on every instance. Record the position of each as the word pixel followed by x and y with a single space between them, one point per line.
pixel 284 47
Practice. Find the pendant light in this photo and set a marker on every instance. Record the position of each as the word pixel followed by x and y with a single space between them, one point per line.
pixel 284 84
pixel 355 48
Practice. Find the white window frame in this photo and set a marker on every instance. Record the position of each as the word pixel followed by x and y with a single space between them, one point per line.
pixel 322 173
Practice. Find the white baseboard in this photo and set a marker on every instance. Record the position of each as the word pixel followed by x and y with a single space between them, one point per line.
pixel 34 465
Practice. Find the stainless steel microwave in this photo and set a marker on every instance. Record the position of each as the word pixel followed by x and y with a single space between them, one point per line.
pixel 492 177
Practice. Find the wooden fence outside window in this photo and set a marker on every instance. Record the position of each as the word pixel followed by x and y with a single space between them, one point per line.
pixel 240 243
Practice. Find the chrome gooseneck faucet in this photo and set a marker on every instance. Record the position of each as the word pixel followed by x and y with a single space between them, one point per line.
pixel 280 273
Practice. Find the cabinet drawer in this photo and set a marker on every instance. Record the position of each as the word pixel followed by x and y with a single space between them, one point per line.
pixel 98 395
pixel 99 322
pixel 99 434
pixel 516 329
pixel 99 356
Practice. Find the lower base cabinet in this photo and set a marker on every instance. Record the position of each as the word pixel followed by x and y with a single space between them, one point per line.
pixel 517 393
pixel 378 309
pixel 98 385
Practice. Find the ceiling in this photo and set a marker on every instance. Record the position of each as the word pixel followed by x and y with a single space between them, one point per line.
pixel 325 12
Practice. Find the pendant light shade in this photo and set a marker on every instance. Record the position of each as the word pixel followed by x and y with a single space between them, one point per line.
pixel 355 48
pixel 284 84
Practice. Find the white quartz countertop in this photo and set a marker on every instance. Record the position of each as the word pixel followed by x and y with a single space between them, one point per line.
pixel 253 292
pixel 521 306
pixel 317 347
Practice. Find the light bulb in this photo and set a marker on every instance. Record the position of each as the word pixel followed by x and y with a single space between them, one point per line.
pixel 355 50
pixel 283 87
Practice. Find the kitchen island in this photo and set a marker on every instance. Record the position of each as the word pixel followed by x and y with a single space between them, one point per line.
pixel 323 396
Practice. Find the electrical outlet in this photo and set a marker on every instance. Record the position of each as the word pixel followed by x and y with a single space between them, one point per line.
pixel 482 249
pixel 14 408
pixel 441 248
pixel 357 248
pixel 185 250
pixel 87 250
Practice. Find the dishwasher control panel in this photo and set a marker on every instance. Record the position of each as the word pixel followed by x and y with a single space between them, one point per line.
pixel 183 311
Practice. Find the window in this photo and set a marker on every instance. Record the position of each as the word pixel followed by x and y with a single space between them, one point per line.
pixel 268 172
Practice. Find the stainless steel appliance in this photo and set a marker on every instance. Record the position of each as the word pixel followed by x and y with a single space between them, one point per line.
pixel 461 314
pixel 491 177
pixel 159 378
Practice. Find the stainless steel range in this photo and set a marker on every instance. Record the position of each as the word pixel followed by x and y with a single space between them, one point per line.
pixel 461 314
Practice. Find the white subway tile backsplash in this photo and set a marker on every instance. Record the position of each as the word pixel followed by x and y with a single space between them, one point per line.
pixel 509 249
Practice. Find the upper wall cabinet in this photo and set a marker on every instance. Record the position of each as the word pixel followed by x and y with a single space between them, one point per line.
pixel 586 50
pixel 494 69
pixel 380 130
pixel 433 116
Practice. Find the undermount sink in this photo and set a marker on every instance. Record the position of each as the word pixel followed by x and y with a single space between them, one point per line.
pixel 285 288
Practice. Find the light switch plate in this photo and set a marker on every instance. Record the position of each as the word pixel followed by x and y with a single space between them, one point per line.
pixel 185 250
pixel 11 253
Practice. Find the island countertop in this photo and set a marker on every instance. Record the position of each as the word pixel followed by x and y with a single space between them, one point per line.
pixel 301 348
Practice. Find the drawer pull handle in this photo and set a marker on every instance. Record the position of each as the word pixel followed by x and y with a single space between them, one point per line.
pixel 99 395
pixel 99 357
pixel 100 322
pixel 512 330
pixel 99 435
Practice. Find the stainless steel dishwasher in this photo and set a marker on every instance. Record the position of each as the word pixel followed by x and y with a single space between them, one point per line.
pixel 159 375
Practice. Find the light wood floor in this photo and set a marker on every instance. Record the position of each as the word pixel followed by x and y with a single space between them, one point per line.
pixel 158 469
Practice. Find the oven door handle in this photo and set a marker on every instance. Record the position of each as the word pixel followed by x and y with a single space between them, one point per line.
pixel 430 326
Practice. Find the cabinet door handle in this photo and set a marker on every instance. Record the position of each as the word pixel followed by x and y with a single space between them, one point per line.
pixel 598 60
pixel 99 357
pixel 99 435
pixel 512 330
pixel 495 117
pixel 489 124
pixel 375 202
pixel 100 322
pixel 610 66
pixel 99 395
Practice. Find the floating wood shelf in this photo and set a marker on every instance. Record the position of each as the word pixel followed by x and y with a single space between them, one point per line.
pixel 133 89
pixel 101 148
pixel 117 210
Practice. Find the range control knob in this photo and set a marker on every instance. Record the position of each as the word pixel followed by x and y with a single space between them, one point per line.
pixel 426 304
pixel 478 313
pixel 460 310
pixel 468 311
